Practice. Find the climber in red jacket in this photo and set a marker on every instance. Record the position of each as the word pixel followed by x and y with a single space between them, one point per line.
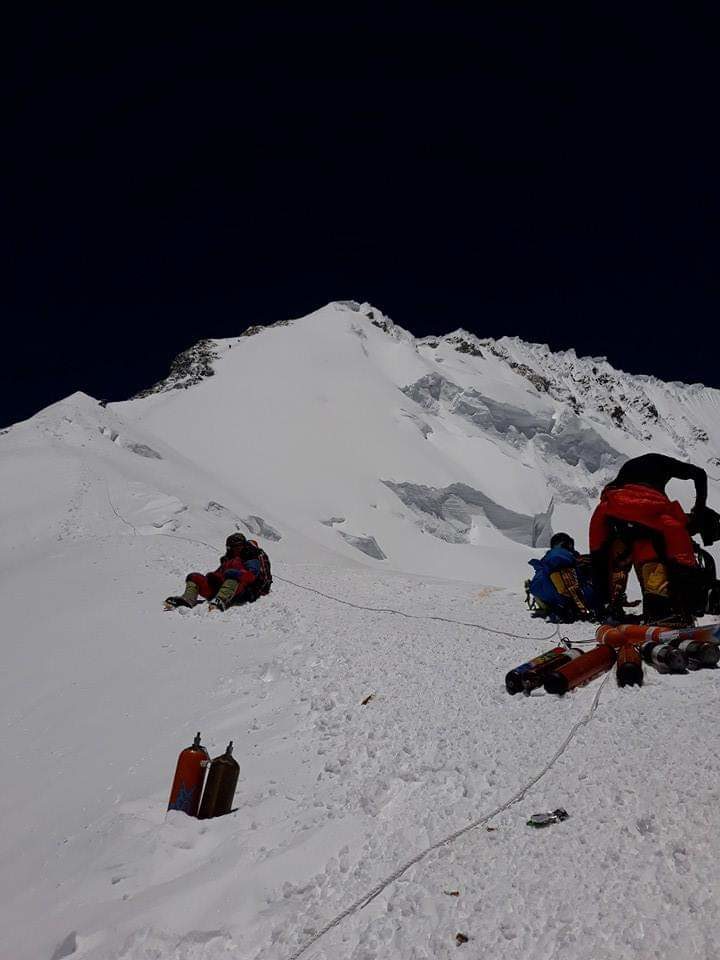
pixel 223 586
pixel 636 524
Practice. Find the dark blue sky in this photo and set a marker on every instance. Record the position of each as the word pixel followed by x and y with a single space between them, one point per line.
pixel 515 171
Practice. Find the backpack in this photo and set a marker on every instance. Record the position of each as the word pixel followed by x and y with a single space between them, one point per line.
pixel 709 587
pixel 258 562
pixel 562 566
pixel 536 606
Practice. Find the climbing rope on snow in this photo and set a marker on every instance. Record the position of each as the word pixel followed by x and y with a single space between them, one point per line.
pixel 349 603
pixel 117 512
pixel 367 898
pixel 418 616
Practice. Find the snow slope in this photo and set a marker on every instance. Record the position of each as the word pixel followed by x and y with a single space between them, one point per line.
pixel 435 448
pixel 339 423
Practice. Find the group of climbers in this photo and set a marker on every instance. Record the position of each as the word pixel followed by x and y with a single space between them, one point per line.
pixel 242 576
pixel 635 526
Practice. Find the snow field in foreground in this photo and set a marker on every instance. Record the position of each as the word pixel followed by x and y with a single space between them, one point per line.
pixel 102 692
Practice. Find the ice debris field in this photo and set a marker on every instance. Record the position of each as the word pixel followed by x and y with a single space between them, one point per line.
pixel 386 777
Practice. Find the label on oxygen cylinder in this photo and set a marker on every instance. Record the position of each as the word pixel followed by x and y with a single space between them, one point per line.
pixel 535 678
pixel 513 680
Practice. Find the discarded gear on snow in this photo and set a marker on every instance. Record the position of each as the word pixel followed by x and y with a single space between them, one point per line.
pixel 529 675
pixel 545 819
pixel 629 666
pixel 627 646
pixel 189 778
pixel 220 786
pixel 192 766
pixel 590 665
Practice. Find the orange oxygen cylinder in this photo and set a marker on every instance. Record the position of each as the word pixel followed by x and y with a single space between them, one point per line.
pixel 612 636
pixel 220 787
pixel 585 668
pixel 189 777
pixel 640 633
pixel 629 670
pixel 617 634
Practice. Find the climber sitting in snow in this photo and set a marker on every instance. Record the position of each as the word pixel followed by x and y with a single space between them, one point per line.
pixel 561 589
pixel 243 575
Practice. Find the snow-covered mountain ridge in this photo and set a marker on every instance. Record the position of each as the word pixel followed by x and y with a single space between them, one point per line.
pixel 589 385
pixel 457 436
pixel 382 473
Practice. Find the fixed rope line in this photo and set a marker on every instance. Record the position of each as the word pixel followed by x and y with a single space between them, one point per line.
pixel 116 511
pixel 365 900
pixel 349 603
pixel 417 616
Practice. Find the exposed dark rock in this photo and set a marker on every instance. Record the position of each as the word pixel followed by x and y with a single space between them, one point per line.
pixel 188 368
pixel 465 346
pixel 541 384
pixel 381 324
pixel 258 328
pixel 141 449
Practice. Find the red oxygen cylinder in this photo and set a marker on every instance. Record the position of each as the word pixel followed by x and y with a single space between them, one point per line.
pixel 585 668
pixel 189 777
pixel 535 678
pixel 611 636
pixel 629 671
pixel 514 679
pixel 637 632
pixel 618 634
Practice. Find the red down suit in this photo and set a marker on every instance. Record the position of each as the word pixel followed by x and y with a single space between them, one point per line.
pixel 641 504
pixel 231 568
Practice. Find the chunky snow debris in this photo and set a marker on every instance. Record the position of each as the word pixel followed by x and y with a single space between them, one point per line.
pixel 141 449
pixel 146 509
pixel 430 389
pixel 66 948
pixel 366 545
pixel 331 521
pixel 422 425
pixel 491 414
pixel 256 525
pixel 450 513
pixel 562 435
pixel 575 443
pixel 218 509
pixel 261 528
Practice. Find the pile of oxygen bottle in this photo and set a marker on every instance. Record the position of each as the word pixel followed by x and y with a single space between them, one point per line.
pixel 187 788
pixel 627 647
